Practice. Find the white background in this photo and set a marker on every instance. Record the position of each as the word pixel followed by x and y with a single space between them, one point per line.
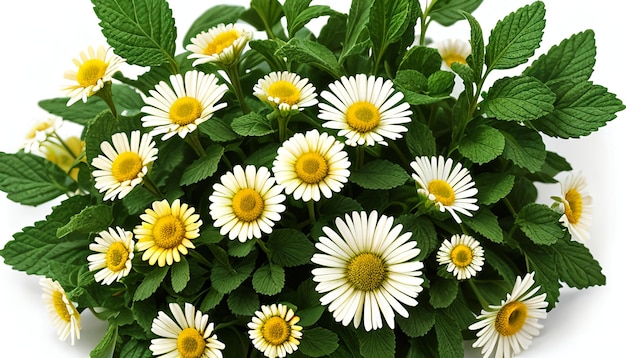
pixel 40 38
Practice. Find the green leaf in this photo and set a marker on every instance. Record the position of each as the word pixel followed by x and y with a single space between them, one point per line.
pixel 420 320
pixel 423 231
pixel 180 275
pixel 101 128
pixel 269 11
pixel 203 167
pixel 135 348
pixel 379 174
pixel 387 22
pixel 239 249
pixel 447 12
pixel 379 343
pixel 449 338
pixel 218 130
pixel 31 180
pixel 518 99
pixel 311 53
pixel 440 83
pixel 476 59
pixel 541 260
pixel 318 342
pixel 141 31
pixel 523 146
pixel 243 301
pixel 290 247
pixel 515 38
pixel 579 110
pixel 225 279
pixel 211 299
pixel 420 140
pixel 358 17
pixel 482 144
pixel 443 292
pixel 299 12
pixel 502 263
pixel 105 348
pixel 426 60
pixel 540 223
pixel 570 61
pixel 252 125
pixel 89 220
pixel 268 279
pixel 576 266
pixel 493 186
pixel 150 283
pixel 215 15
pixel 485 223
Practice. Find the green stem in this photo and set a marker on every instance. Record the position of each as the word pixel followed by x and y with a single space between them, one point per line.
pixel 149 184
pixel 196 255
pixel 310 205
pixel 193 140
pixel 233 74
pixel 107 96
pixel 359 156
pixel 282 127
pixel 483 303
pixel 64 145
pixel 264 247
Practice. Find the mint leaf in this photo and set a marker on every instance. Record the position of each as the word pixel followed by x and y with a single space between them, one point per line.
pixel 299 12
pixel 515 38
pixel 141 31
pixel 449 338
pixel 243 301
pixel 225 279
pixel 203 167
pixel 482 144
pixel 447 12
pixel 523 146
pixel 89 220
pixel 311 53
pixel 486 224
pixel 268 11
pixel 576 266
pixel 150 283
pixel 388 21
pixel 443 292
pixel 413 327
pixel 252 125
pixel 493 186
pixel 290 247
pixel 180 274
pixel 218 129
pixel 379 343
pixel 358 17
pixel 420 140
pixel 542 260
pixel 105 348
pixel 218 14
pixel 540 223
pixel 318 342
pixel 476 59
pixel 379 174
pixel 518 99
pixel 211 299
pixel 268 279
pixel 425 60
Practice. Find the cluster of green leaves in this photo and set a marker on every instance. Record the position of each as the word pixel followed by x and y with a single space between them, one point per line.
pixel 496 133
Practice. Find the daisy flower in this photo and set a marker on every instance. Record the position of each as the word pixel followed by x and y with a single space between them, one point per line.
pixel 463 255
pixel 575 204
pixel 221 44
pixel 365 110
pixel 181 107
pixel 94 68
pixel 40 131
pixel 450 189
pixel 124 164
pixel 166 232
pixel 114 253
pixel 454 50
pixel 311 165
pixel 65 317
pixel 246 203
pixel 65 155
pixel 510 327
pixel 286 90
pixel 273 331
pixel 189 334
pixel 368 270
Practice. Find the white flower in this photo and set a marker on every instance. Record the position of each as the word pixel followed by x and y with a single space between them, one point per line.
pixel 189 335
pixel 95 68
pixel 179 109
pixel 368 269
pixel 65 317
pixel 311 165
pixel 273 331
pixel 114 253
pixel 40 131
pixel 286 90
pixel 510 327
pixel 454 50
pixel 222 44
pixel 575 204
pixel 365 110
pixel 450 189
pixel 463 256
pixel 246 203
pixel 124 164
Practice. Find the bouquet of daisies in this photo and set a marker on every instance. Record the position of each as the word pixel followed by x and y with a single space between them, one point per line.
pixel 357 191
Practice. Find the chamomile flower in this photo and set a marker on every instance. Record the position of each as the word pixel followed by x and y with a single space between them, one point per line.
pixel 274 330
pixel 286 91
pixel 65 317
pixel 575 204
pixel 463 256
pixel 450 189
pixel 94 68
pixel 123 165
pixel 114 253
pixel 166 232
pixel 222 44
pixel 454 50
pixel 510 327
pixel 40 131
pixel 189 334
pixel 311 165
pixel 246 203
pixel 365 110
pixel 181 107
pixel 368 270
pixel 65 155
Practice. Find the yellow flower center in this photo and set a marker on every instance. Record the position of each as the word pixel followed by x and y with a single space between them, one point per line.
pixel 573 206
pixel 90 72
pixel 451 58
pixel 168 232
pixel 285 91
pixel 190 343
pixel 39 127
pixel 248 205
pixel 126 166
pixel 461 256
pixel 60 307
pixel 276 331
pixel 220 42
pixel 362 116
pixel 116 256
pixel 366 272
pixel 185 110
pixel 311 168
pixel 442 191
pixel 511 318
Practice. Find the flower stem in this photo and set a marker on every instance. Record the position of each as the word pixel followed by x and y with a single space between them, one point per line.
pixel 233 73
pixel 107 96
pixel 310 205
pixel 194 141
pixel 149 184
pixel 483 303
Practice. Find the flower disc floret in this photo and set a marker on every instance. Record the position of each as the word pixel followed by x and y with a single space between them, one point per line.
pixel 274 330
pixel 222 44
pixel 114 253
pixel 286 91
pixel 462 255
